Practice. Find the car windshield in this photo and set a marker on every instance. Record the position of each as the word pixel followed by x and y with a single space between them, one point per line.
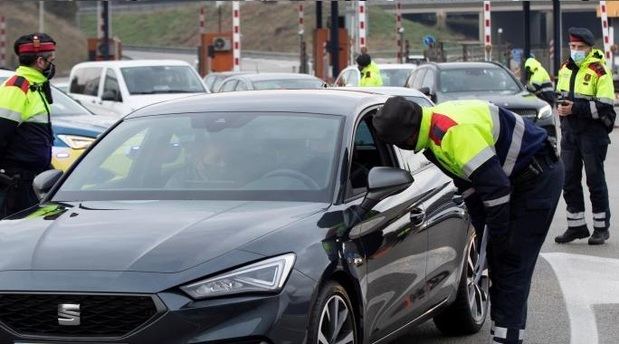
pixel 161 79
pixel 290 84
pixel 63 105
pixel 395 77
pixel 491 79
pixel 220 156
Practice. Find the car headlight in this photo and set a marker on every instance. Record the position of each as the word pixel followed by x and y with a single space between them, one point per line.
pixel 265 276
pixel 76 142
pixel 544 112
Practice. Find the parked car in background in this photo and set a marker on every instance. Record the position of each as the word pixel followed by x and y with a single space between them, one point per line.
pixel 408 93
pixel 393 74
pixel 482 80
pixel 213 80
pixel 270 81
pixel 117 88
pixel 230 219
pixel 74 127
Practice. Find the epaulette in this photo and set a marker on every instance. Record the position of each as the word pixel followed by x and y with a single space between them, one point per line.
pixel 18 81
pixel 598 68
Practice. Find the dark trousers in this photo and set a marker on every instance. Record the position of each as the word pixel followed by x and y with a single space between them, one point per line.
pixel 532 209
pixel 17 197
pixel 586 148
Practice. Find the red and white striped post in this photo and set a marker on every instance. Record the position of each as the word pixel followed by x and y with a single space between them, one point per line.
pixel 202 20
pixel 236 35
pixel 361 14
pixel 100 20
pixel 487 32
pixel 2 42
pixel 607 43
pixel 301 24
pixel 398 30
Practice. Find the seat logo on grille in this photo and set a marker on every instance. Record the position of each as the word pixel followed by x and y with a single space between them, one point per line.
pixel 69 314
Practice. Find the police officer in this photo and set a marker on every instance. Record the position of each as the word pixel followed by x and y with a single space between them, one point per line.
pixel 370 74
pixel 25 125
pixel 539 81
pixel 587 117
pixel 509 175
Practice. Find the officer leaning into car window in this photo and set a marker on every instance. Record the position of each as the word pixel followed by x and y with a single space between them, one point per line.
pixel 587 117
pixel 25 125
pixel 510 177
pixel 539 81
pixel 370 73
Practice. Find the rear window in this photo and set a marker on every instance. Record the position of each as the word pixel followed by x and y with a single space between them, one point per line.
pixel 289 84
pixel 162 79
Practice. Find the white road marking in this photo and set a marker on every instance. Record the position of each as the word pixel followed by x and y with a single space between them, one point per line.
pixel 585 281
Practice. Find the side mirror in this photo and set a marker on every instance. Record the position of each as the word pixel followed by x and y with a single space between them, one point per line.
pixel 111 96
pixel 384 182
pixel 44 182
pixel 426 90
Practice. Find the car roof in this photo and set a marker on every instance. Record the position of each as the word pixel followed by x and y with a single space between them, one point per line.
pixel 322 101
pixel 460 65
pixel 397 66
pixel 132 63
pixel 389 90
pixel 277 76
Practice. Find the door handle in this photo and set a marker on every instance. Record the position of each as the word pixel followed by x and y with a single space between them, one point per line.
pixel 458 199
pixel 417 216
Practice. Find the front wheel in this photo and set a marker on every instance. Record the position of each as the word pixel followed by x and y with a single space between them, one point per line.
pixel 468 312
pixel 333 320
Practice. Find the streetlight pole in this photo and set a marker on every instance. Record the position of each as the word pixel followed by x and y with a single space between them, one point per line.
pixel 41 16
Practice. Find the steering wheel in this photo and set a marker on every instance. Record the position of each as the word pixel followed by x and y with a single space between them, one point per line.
pixel 286 172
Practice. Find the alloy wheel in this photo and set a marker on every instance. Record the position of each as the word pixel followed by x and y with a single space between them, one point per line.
pixel 336 322
pixel 477 286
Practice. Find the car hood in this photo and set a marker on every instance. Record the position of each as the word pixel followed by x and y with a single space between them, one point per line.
pixel 522 100
pixel 140 100
pixel 140 236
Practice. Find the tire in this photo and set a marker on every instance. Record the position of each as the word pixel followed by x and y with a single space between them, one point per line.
pixel 333 299
pixel 466 315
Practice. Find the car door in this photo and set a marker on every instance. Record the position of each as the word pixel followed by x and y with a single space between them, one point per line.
pixel 393 248
pixel 228 85
pixel 112 97
pixel 429 82
pixel 85 85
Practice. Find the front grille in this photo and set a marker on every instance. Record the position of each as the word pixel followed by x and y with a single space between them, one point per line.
pixel 526 113
pixel 108 316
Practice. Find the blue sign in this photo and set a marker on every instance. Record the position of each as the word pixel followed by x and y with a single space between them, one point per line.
pixel 428 40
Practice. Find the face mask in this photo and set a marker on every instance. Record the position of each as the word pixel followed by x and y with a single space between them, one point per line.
pixel 578 56
pixel 49 71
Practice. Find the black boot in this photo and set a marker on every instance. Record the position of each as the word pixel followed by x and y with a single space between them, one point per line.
pixel 571 234
pixel 599 236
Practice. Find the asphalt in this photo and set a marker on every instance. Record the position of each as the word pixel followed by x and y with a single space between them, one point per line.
pixel 575 292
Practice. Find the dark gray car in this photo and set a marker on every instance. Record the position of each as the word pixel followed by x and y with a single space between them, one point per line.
pixel 272 218
pixel 482 80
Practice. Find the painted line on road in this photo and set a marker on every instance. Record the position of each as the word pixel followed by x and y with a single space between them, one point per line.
pixel 585 281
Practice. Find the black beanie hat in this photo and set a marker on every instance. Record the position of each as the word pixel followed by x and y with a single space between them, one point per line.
pixel 364 60
pixel 397 120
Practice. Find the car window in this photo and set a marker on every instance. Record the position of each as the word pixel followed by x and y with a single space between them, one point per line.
pixel 86 81
pixel 290 84
pixel 234 156
pixel 367 153
pixel 64 105
pixel 395 77
pixel 161 79
pixel 419 75
pixel 228 86
pixel 475 79
pixel 428 80
pixel 110 85
pixel 209 80
pixel 241 86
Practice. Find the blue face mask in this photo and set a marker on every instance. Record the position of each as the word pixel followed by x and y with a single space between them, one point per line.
pixel 578 56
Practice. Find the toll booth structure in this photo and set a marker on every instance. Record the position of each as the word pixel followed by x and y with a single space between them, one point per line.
pixel 215 52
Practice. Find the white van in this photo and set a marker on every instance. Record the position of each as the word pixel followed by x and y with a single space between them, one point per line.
pixel 117 88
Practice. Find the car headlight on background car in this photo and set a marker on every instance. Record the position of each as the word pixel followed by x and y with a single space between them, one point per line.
pixel 544 112
pixel 264 276
pixel 76 142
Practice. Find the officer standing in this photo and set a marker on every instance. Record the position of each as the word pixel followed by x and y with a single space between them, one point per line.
pixel 370 74
pixel 25 125
pixel 510 177
pixel 587 117
pixel 539 81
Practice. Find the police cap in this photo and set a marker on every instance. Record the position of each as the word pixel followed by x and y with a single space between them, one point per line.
pixel 580 34
pixel 364 60
pixel 397 120
pixel 34 43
